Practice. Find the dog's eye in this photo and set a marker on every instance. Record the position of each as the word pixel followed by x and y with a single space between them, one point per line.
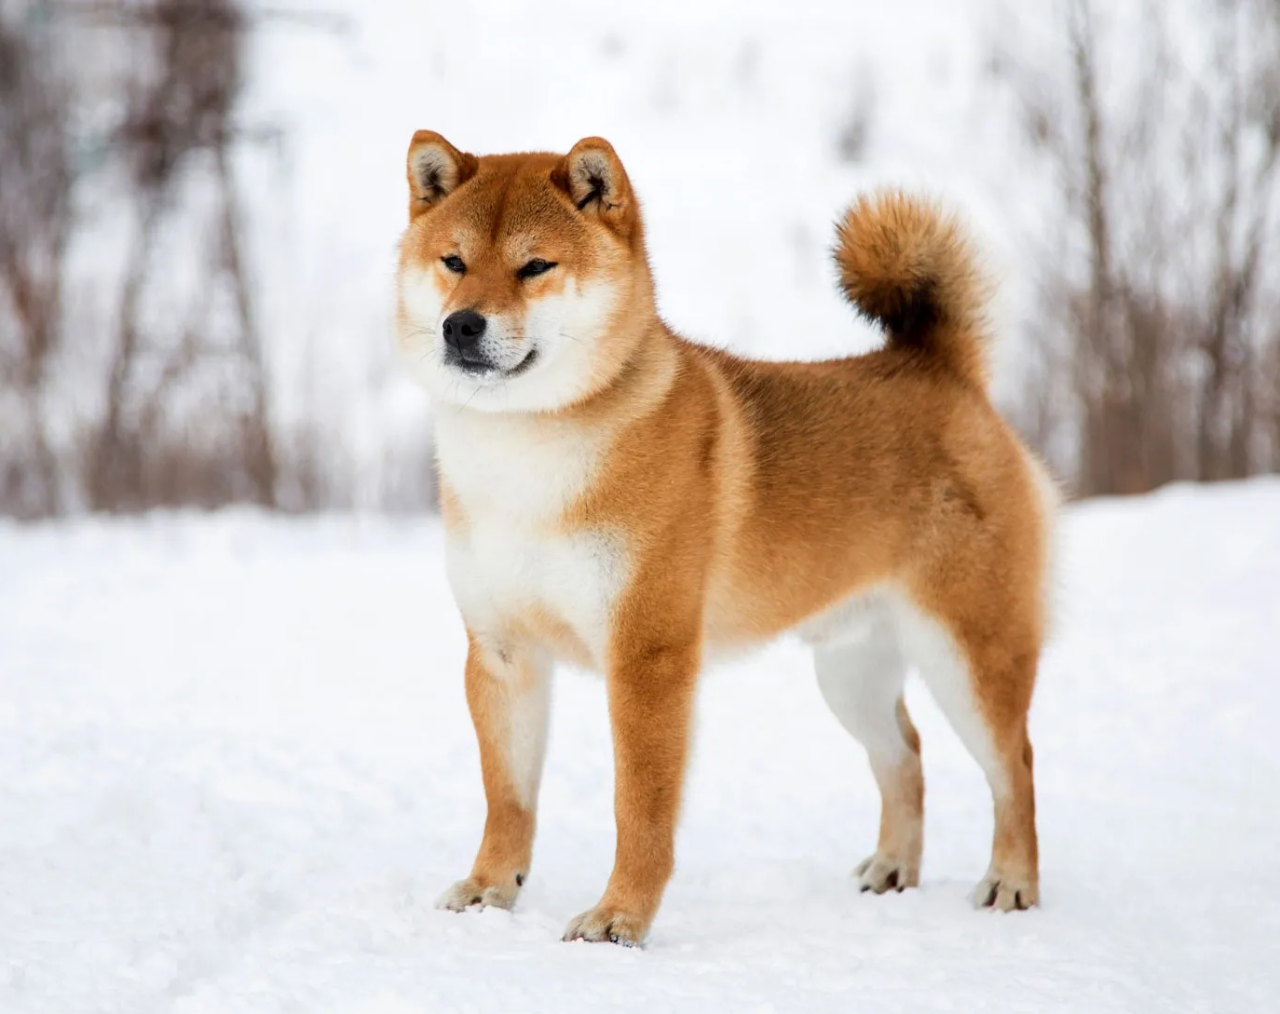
pixel 454 263
pixel 537 266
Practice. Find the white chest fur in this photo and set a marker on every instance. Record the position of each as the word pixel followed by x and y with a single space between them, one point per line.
pixel 513 555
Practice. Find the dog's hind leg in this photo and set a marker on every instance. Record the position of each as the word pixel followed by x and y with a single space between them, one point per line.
pixel 983 684
pixel 862 683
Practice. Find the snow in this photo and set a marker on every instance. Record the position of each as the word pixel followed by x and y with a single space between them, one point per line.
pixel 236 768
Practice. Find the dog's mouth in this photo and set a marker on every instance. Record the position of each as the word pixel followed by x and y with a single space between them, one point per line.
pixel 485 368
pixel 523 365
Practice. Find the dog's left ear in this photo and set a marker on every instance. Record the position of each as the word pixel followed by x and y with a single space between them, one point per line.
pixel 593 177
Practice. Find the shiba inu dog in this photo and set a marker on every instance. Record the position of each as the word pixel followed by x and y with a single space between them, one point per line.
pixel 621 498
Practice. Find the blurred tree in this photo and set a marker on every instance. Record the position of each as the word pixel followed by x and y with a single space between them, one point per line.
pixel 140 98
pixel 35 227
pixel 181 105
pixel 1157 319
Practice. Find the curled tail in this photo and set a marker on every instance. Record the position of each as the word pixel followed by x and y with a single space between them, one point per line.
pixel 910 267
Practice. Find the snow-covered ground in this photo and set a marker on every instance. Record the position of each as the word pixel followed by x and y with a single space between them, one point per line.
pixel 236 768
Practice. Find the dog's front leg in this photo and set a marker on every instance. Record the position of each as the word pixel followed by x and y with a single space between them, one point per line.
pixel 651 691
pixel 508 692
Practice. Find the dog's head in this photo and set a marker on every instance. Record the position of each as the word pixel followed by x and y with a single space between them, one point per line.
pixel 517 274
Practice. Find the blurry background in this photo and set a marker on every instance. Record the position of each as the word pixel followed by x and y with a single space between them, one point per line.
pixel 200 199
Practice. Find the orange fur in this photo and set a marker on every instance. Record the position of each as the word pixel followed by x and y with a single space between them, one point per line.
pixel 708 503
pixel 909 267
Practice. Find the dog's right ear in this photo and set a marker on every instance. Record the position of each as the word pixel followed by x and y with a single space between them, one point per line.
pixel 435 168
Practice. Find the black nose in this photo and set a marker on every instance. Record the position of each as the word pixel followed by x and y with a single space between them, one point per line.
pixel 463 329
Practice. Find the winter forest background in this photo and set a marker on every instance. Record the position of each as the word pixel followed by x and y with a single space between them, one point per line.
pixel 199 203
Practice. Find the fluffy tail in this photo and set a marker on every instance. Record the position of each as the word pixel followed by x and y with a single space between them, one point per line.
pixel 910 267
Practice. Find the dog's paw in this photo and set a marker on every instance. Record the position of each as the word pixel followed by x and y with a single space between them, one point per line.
pixel 880 873
pixel 603 924
pixel 470 892
pixel 1006 893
